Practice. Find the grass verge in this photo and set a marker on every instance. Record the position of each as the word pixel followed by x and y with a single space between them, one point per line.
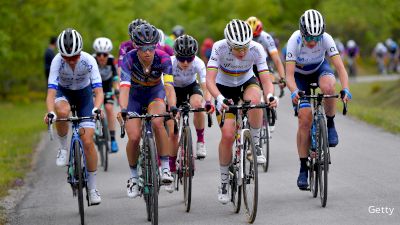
pixel 377 103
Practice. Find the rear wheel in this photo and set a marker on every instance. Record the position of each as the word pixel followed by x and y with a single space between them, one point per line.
pixel 79 177
pixel 236 189
pixel 106 144
pixel 250 179
pixel 187 168
pixel 313 176
pixel 323 158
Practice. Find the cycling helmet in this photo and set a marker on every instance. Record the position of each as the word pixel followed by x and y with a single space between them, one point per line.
pixel 102 45
pixel 351 44
pixel 178 30
pixel 312 23
pixel 134 24
pixel 238 33
pixel 69 42
pixel 185 46
pixel 162 37
pixel 256 25
pixel 145 34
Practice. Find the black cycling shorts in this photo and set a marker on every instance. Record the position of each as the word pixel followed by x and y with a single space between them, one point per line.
pixel 183 94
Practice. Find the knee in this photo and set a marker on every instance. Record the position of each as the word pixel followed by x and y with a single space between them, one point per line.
pixel 304 124
pixel 134 136
pixel 158 123
pixel 62 112
pixel 328 87
pixel 196 103
pixel 228 137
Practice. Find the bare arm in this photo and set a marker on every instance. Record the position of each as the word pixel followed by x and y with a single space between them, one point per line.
pixel 210 83
pixel 98 100
pixel 207 95
pixel 342 73
pixel 291 83
pixel 170 93
pixel 278 63
pixel 124 97
pixel 51 95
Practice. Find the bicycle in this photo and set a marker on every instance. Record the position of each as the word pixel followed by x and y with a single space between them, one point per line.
pixel 185 165
pixel 102 140
pixel 243 172
pixel 269 117
pixel 149 178
pixel 319 155
pixel 77 171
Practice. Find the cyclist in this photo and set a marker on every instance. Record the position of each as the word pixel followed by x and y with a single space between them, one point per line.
pixel 73 76
pixel 141 86
pixel 306 63
pixel 352 52
pixel 163 46
pixel 185 68
pixel 230 76
pixel 127 46
pixel 177 31
pixel 380 53
pixel 393 50
pixel 103 46
pixel 205 50
pixel 266 40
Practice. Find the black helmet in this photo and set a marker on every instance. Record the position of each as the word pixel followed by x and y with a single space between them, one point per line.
pixel 178 30
pixel 69 42
pixel 134 24
pixel 185 46
pixel 312 23
pixel 145 34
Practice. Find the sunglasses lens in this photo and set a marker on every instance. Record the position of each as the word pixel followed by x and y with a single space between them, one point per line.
pixel 147 48
pixel 183 59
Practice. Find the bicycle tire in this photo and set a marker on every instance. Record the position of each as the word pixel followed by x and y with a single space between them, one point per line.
pixel 188 168
pixel 313 177
pixel 79 177
pixel 236 189
pixel 106 143
pixel 99 144
pixel 250 172
pixel 264 140
pixel 154 181
pixel 323 157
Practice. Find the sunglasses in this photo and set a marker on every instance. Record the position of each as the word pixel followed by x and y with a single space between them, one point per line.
pixel 312 38
pixel 241 49
pixel 71 58
pixel 102 54
pixel 183 59
pixel 144 48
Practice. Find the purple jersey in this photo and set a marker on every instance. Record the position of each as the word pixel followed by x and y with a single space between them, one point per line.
pixel 124 48
pixel 132 70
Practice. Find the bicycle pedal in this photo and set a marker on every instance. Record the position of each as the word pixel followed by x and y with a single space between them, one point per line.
pixel 200 157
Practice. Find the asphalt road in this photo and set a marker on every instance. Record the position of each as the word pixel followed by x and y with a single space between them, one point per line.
pixel 363 178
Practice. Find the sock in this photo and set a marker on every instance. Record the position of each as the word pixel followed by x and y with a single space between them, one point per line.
pixel 200 135
pixel 134 172
pixel 172 165
pixel 112 135
pixel 303 163
pixel 63 141
pixel 164 162
pixel 224 174
pixel 255 132
pixel 91 180
pixel 329 121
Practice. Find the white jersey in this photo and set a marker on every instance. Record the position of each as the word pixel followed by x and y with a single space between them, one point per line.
pixel 308 60
pixel 233 72
pixel 267 42
pixel 86 72
pixel 183 78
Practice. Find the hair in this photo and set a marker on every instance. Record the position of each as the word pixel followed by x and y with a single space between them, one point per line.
pixel 53 40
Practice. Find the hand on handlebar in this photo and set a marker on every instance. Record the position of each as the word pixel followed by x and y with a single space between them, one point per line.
pixel 209 107
pixel 50 117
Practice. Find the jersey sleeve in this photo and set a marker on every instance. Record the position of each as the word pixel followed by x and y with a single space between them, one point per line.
pixel 213 62
pixel 329 45
pixel 168 78
pixel 95 76
pixel 53 76
pixel 260 60
pixel 113 68
pixel 126 71
pixel 270 44
pixel 292 46
pixel 201 69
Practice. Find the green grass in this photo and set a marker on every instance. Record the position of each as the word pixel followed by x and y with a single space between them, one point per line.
pixel 377 103
pixel 20 127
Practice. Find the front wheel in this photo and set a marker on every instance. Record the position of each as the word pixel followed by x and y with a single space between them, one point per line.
pixel 323 158
pixel 250 179
pixel 152 181
pixel 264 140
pixel 236 188
pixel 187 168
pixel 79 178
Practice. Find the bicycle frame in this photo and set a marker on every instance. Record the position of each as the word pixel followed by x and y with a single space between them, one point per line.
pixel 75 137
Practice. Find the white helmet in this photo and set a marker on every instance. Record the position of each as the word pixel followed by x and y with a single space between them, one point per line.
pixel 351 44
pixel 162 37
pixel 69 42
pixel 312 23
pixel 238 33
pixel 102 45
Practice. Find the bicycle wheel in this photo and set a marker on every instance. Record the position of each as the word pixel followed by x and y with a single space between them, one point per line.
pixel 264 140
pixel 236 188
pixel 250 179
pixel 323 157
pixel 313 176
pixel 98 140
pixel 79 178
pixel 152 171
pixel 187 168
pixel 106 144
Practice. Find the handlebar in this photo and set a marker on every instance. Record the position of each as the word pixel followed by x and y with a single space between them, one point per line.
pixel 245 106
pixel 147 117
pixel 319 98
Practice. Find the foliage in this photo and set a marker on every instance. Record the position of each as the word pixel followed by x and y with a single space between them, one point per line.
pixel 26 25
